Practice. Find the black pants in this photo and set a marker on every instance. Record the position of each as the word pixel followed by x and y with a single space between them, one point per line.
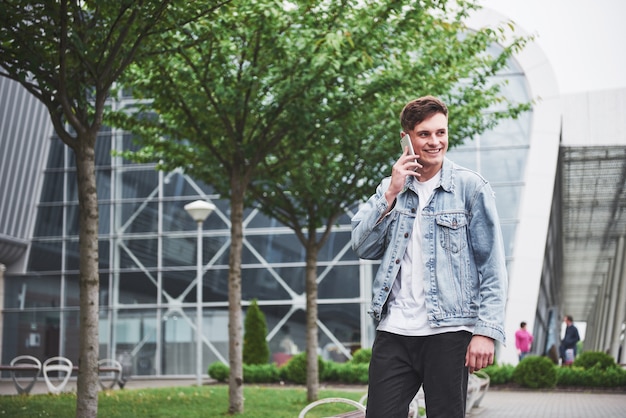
pixel 400 365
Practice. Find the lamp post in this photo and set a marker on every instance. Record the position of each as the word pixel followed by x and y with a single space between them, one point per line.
pixel 199 210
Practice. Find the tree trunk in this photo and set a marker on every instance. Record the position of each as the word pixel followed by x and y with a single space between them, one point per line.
pixel 235 333
pixel 312 369
pixel 89 281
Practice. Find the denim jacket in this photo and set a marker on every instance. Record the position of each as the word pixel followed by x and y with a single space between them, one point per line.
pixel 465 277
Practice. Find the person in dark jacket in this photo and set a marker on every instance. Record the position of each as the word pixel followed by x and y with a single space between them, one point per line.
pixel 568 344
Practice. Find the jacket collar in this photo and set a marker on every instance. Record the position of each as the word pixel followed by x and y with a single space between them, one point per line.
pixel 447 175
pixel 446 181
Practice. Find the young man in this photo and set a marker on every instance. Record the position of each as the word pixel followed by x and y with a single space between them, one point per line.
pixel 440 290
pixel 571 338
pixel 523 341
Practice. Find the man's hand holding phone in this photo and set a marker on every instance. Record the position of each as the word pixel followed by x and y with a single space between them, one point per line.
pixel 407 149
pixel 407 165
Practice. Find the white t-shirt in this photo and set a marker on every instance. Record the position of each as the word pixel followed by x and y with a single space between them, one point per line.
pixel 406 308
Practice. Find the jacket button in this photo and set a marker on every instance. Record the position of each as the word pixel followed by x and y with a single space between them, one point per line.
pixel 413 210
pixel 406 235
pixel 397 261
pixel 386 288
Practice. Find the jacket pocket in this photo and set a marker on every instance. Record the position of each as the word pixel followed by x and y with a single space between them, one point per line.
pixel 452 231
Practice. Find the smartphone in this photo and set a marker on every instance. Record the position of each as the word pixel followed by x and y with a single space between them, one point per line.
pixel 406 142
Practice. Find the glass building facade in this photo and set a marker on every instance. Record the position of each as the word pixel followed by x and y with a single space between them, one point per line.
pixel 147 245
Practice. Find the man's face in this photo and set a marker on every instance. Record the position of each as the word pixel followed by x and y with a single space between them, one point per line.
pixel 430 141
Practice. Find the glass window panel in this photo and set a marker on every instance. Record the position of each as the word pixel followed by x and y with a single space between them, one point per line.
pixel 216 285
pixel 32 333
pixel 139 253
pixel 176 219
pixel 504 165
pixel 207 189
pixel 176 185
pixel 273 315
pixel 464 157
pixel 52 190
pixel 72 186
pixel 137 287
pixel 32 292
pixel 72 219
pixel 72 290
pixel 104 335
pixel 103 147
pixel 508 236
pixel 56 154
pixel 139 184
pixel 104 217
pixel 175 283
pixel 343 321
pixel 180 251
pixel 45 256
pixel 507 200
pixel 291 336
pixel 104 254
pixel 211 246
pixel 104 290
pixel 71 337
pixel 49 221
pixel 140 216
pixel 274 248
pixel 509 132
pixel 179 347
pixel 338 241
pixel 340 282
pixel 103 183
pixel 282 338
pixel 259 220
pixel 136 333
pixel 262 285
pixel 72 255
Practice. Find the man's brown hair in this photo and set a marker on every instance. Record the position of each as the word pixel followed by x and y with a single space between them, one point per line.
pixel 418 110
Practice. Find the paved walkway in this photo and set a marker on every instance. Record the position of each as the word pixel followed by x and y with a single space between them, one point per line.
pixel 550 404
pixel 495 404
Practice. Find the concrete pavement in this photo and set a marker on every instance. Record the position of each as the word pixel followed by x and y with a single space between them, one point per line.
pixel 550 404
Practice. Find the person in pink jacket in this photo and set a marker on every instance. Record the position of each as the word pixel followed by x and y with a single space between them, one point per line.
pixel 523 341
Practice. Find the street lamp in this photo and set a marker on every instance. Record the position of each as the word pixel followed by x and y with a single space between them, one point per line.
pixel 199 210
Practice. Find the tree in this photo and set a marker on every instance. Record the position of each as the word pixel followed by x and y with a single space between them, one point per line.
pixel 256 350
pixel 68 54
pixel 293 106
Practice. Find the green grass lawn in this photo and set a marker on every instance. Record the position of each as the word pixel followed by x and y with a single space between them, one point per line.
pixel 187 402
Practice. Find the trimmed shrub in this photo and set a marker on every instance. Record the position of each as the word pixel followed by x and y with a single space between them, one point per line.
pixel 535 372
pixel 260 373
pixel 598 359
pixel 499 375
pixel 593 377
pixel 362 356
pixel 332 372
pixel 347 372
pixel 219 371
pixel 295 369
pixel 256 350
pixel 354 373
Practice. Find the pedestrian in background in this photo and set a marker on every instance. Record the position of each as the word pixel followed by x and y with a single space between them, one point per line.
pixel 523 341
pixel 568 344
